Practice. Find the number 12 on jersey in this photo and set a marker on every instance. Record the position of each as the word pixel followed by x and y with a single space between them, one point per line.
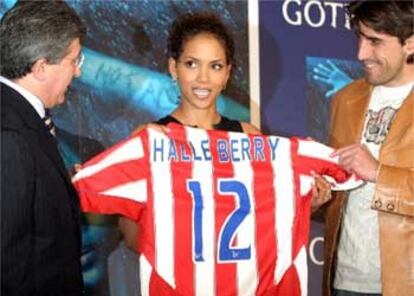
pixel 229 188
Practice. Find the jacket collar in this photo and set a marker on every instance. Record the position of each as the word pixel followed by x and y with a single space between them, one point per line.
pixel 357 106
pixel 14 100
pixel 33 100
pixel 403 120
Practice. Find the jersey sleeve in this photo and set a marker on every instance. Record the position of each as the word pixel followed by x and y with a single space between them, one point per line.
pixel 116 181
pixel 314 156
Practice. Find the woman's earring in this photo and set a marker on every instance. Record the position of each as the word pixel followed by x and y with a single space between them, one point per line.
pixel 176 89
pixel 174 83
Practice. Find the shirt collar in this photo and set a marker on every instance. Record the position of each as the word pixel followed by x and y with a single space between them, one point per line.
pixel 33 100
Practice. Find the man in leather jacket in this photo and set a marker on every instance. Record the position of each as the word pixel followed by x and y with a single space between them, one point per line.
pixel 369 240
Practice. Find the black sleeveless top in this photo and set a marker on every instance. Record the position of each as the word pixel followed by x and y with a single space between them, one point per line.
pixel 225 124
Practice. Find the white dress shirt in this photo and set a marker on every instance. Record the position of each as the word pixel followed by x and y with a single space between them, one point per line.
pixel 33 100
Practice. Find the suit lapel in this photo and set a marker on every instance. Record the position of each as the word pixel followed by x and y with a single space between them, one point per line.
pixel 357 108
pixel 14 100
pixel 48 144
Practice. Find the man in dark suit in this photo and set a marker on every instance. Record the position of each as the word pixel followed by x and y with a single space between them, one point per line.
pixel 40 221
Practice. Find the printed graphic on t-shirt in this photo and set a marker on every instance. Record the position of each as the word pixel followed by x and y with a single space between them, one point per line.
pixel 378 124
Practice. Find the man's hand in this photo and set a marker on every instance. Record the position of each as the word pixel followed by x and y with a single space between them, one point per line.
pixel 130 230
pixel 358 160
pixel 75 169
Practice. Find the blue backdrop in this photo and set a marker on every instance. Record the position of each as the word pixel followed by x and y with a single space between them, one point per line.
pixel 307 53
pixel 125 83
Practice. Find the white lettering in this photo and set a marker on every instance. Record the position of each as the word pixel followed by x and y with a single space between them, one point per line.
pixel 334 8
pixel 322 17
pixel 347 22
pixel 298 20
pixel 312 253
pixel 315 13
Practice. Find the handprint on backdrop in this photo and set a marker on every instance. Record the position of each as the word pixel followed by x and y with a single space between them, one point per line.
pixel 325 77
pixel 332 76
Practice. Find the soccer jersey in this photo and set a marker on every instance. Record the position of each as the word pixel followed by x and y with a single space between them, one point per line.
pixel 222 213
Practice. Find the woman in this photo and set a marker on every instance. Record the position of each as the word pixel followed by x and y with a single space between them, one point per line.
pixel 201 57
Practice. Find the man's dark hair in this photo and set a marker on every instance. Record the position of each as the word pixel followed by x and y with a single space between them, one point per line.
pixel 33 30
pixel 395 18
pixel 189 25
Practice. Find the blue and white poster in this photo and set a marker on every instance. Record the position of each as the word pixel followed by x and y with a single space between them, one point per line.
pixel 124 83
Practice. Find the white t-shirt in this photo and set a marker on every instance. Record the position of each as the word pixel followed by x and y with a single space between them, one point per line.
pixel 358 267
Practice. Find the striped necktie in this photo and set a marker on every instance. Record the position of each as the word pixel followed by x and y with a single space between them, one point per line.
pixel 49 123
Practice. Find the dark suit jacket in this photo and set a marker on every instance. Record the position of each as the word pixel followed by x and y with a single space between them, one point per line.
pixel 40 220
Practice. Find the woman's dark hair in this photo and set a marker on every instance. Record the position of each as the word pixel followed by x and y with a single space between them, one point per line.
pixel 192 24
pixel 395 18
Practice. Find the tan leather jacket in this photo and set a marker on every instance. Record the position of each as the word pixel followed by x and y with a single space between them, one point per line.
pixel 394 191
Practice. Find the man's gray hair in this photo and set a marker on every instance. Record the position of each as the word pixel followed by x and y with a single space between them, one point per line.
pixel 33 30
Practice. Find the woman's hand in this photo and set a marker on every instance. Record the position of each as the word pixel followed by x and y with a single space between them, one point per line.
pixel 130 232
pixel 321 192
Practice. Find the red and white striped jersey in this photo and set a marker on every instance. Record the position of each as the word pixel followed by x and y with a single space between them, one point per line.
pixel 222 213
